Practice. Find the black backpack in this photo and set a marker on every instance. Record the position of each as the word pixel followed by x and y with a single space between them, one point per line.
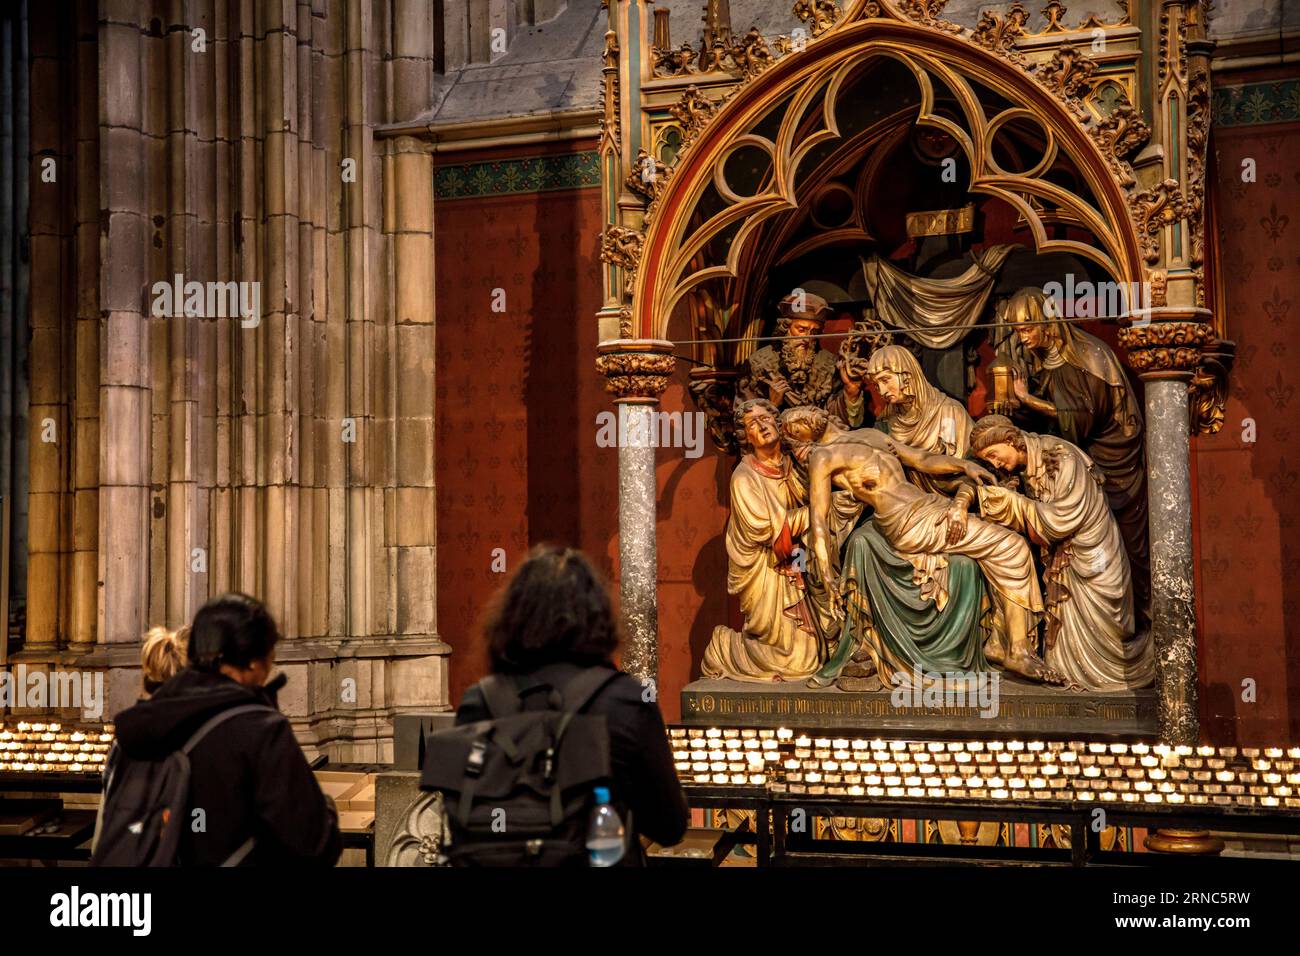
pixel 143 809
pixel 518 789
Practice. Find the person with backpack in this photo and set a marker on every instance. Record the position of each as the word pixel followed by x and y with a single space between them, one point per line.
pixel 207 772
pixel 556 737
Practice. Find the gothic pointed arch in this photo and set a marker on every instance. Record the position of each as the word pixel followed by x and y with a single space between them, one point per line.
pixel 786 121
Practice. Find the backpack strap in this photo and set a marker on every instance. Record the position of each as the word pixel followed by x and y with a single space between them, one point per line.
pixel 217 719
pixel 210 724
pixel 579 692
pixel 244 849
pixel 501 695
pixel 585 687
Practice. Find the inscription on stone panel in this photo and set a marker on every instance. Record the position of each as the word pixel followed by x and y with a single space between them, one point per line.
pixel 1015 712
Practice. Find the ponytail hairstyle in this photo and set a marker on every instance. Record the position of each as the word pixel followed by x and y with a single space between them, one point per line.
pixel 232 629
pixel 162 656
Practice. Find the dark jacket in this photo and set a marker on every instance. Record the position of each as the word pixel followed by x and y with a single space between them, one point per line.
pixel 643 777
pixel 249 775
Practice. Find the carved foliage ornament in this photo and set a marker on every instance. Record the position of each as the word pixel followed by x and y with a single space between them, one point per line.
pixel 716 398
pixel 1153 209
pixel 999 32
pixel 820 15
pixel 1123 132
pixel 1198 132
pixel 929 12
pixel 747 55
pixel 1208 389
pixel 751 53
pixel 1068 73
pixel 693 111
pixel 621 246
pixel 673 62
pixel 1054 11
pixel 1165 346
pixel 633 375
pixel 1119 135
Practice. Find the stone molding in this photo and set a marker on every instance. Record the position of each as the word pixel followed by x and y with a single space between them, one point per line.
pixel 1165 347
pixel 636 370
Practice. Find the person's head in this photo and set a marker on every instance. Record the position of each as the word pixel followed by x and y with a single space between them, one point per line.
pixel 895 372
pixel 235 635
pixel 804 424
pixel 996 440
pixel 756 424
pixel 1031 313
pixel 802 316
pixel 555 607
pixel 162 656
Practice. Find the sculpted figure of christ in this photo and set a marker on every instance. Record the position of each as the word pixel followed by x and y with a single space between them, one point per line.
pixel 869 464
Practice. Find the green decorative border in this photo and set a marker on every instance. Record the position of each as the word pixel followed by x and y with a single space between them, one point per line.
pixel 509 177
pixel 1255 104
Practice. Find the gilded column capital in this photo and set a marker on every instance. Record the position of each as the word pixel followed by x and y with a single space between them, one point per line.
pixel 636 371
pixel 1170 345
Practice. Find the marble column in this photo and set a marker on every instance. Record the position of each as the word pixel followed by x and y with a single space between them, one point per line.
pixel 1165 353
pixel 636 373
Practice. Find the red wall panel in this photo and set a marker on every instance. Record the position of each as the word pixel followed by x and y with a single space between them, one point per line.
pixel 517 396
pixel 1247 495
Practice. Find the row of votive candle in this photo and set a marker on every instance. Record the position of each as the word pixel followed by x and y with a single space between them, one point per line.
pixel 997 770
pixel 46 747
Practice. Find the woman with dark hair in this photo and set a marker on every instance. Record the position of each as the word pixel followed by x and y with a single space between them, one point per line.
pixel 551 623
pixel 250 784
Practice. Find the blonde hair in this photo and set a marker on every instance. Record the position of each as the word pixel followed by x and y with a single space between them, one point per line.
pixel 162 655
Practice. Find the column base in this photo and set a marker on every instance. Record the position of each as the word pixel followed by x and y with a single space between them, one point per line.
pixel 1187 842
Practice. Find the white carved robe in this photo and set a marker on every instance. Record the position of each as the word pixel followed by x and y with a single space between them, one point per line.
pixel 1089 586
pixel 780 635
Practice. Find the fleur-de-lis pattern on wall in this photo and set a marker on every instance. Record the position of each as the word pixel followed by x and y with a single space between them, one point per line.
pixel 516 393
pixel 1248 494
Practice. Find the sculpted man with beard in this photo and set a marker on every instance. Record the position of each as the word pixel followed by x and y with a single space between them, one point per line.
pixel 799 371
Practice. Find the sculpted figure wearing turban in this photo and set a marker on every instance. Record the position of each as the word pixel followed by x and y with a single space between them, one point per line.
pixel 799 371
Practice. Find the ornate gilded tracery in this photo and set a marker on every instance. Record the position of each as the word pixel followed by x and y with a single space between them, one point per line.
pixel 744 140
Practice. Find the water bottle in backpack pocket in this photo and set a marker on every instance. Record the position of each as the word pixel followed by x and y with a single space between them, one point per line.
pixel 606 839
